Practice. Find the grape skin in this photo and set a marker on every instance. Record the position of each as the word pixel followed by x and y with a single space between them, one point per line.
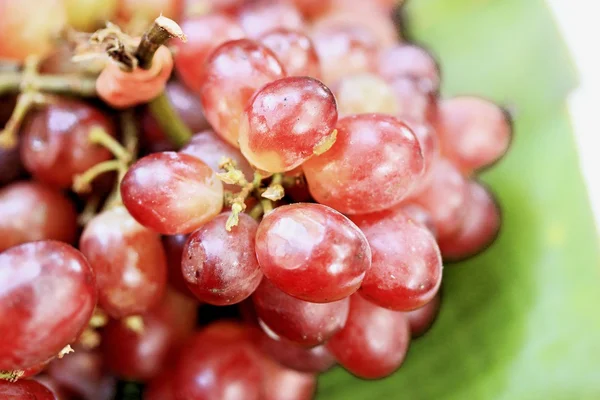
pixel 129 261
pixel 171 193
pixel 25 389
pixel 406 271
pixel 261 16
pixel 391 163
pixel 299 321
pixel 287 122
pixel 45 286
pixel 312 252
pixel 294 50
pixel 220 266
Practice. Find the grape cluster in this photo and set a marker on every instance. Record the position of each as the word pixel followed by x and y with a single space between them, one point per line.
pixel 306 219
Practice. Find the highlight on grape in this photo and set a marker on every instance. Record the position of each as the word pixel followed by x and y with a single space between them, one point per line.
pixel 281 204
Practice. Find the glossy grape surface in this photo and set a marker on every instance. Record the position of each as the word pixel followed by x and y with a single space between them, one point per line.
pixel 55 143
pixel 374 163
pixel 204 34
pixel 287 122
pixel 294 50
pixel 299 321
pixel 32 211
pixel 312 252
pixel 47 296
pixel 281 383
pixel 406 271
pixel 408 60
pixel 365 93
pixel 172 193
pixel 129 261
pixel 25 389
pixel 421 319
pixel 219 362
pixel 474 132
pixel 374 341
pixel 479 227
pixel 232 74
pixel 260 16
pixel 220 266
pixel 295 356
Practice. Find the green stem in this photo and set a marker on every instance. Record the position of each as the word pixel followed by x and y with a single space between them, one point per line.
pixel 170 122
pixel 10 82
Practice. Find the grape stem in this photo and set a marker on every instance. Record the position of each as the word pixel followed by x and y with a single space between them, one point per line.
pixel 13 82
pixel 11 376
pixel 171 124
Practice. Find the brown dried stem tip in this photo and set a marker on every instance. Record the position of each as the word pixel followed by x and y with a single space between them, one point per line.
pixel 161 31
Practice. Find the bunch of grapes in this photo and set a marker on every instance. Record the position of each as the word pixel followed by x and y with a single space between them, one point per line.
pixel 303 225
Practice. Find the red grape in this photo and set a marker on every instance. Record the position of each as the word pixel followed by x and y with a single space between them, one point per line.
pixel 364 14
pixel 344 50
pixel 287 122
pixel 129 262
pixel 474 132
pixel 294 50
pixel 83 374
pixel 55 143
pixel 31 211
pixel 420 215
pixel 24 390
pixel 29 27
pixel 220 266
pixel 210 148
pixel 172 193
pixel 161 387
pixel 258 17
pixel 406 271
pixel 173 245
pixel 305 323
pixel 312 8
pixel 390 158
pixel 88 15
pixel 444 196
pixel 143 355
pixel 47 296
pixel 204 34
pixel 479 227
pixel 421 319
pixel 365 93
pixel 414 102
pixel 312 252
pixel 295 356
pixel 410 61
pixel 281 383
pixel 374 341
pixel 429 143
pixel 219 362
pixel 233 72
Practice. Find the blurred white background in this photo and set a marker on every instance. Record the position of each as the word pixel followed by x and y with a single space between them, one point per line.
pixel 580 27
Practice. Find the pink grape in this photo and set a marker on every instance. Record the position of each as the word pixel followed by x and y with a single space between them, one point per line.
pixel 129 261
pixel 295 356
pixel 32 211
pixel 204 34
pixel 299 321
pixel 428 141
pixel 260 16
pixel 365 93
pixel 281 383
pixel 444 196
pixel 408 60
pixel 374 341
pixel 420 215
pixel 479 227
pixel 343 50
pixel 406 271
pixel 474 132
pixel 232 74
pixel 421 319
pixel 220 266
pixel 287 122
pixel 415 103
pixel 391 163
pixel 47 296
pixel 294 50
pixel 312 252
pixel 172 193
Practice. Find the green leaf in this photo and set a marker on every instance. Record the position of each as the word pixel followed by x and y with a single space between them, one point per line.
pixel 519 321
